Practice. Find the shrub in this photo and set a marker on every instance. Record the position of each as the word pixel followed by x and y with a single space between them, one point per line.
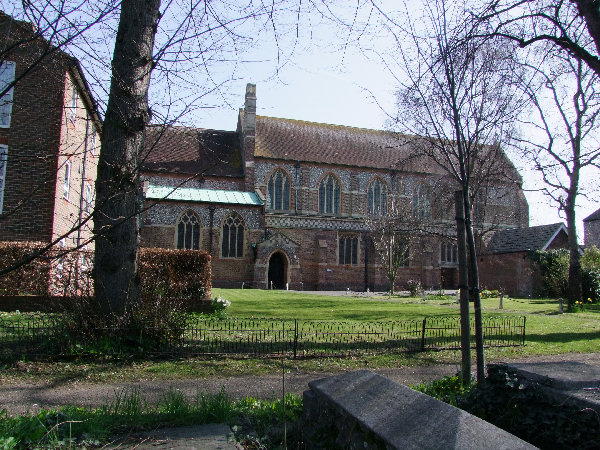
pixel 489 293
pixel 554 267
pixel 29 279
pixel 414 287
pixel 181 274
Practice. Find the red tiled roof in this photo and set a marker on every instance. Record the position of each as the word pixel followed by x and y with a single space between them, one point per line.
pixel 192 151
pixel 298 140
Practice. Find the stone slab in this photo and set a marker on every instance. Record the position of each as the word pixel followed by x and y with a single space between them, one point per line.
pixel 200 437
pixel 566 375
pixel 569 382
pixel 407 419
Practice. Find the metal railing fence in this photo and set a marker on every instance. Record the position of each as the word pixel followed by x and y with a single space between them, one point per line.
pixel 49 335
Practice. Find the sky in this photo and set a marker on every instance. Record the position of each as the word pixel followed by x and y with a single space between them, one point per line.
pixel 323 66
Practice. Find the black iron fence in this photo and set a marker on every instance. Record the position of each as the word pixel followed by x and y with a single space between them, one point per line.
pixel 47 334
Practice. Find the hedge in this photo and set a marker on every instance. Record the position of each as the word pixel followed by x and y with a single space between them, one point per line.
pixel 182 274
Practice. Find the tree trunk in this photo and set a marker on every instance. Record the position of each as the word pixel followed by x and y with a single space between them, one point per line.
pixel 474 288
pixel 463 274
pixel 117 184
pixel 574 290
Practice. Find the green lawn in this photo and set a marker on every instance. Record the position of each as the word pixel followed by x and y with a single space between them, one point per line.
pixel 548 332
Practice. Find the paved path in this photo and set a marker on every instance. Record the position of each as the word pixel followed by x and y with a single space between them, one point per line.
pixel 20 397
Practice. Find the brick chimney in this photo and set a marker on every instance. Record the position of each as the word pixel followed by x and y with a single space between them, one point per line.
pixel 247 126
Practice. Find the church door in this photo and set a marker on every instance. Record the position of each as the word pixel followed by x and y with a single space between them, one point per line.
pixel 277 273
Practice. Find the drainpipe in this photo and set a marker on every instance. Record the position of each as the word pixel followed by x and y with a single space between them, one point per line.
pixel 81 198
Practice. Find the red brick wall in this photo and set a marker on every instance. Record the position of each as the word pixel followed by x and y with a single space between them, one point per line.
pixel 33 139
pixel 34 208
pixel 512 273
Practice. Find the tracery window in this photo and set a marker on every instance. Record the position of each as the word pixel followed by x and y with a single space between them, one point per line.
pixel 377 197
pixel 233 237
pixel 329 195
pixel 421 202
pixel 188 231
pixel 278 190
pixel 348 249
pixel 448 253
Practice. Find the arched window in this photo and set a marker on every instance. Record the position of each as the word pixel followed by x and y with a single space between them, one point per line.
pixel 448 253
pixel 348 249
pixel 377 197
pixel 421 202
pixel 233 237
pixel 188 231
pixel 278 191
pixel 329 195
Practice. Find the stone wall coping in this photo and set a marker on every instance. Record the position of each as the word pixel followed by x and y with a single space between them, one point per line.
pixel 407 419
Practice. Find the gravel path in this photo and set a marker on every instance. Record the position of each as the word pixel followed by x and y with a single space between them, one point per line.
pixel 22 397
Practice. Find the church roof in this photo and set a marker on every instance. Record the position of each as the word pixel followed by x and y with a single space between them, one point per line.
pixel 593 216
pixel 192 151
pixel 525 239
pixel 297 140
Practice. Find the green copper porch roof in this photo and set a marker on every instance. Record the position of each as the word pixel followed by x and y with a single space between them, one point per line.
pixel 203 195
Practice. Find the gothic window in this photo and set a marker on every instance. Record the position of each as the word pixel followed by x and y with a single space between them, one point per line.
pixel 188 231
pixel 377 197
pixel 348 249
pixel 448 253
pixel 233 237
pixel 402 253
pixel 421 202
pixel 329 195
pixel 278 191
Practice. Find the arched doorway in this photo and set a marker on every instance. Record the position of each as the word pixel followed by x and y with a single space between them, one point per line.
pixel 277 275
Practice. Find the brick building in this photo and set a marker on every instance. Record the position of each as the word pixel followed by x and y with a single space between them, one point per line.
pixel 49 140
pixel 283 202
pixel 591 228
pixel 507 264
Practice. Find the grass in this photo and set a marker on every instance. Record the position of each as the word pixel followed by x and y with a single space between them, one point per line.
pixel 548 332
pixel 129 412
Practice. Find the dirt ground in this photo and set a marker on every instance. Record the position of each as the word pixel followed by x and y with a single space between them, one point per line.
pixel 21 397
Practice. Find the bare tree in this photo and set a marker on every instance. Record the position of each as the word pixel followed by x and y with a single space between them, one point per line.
pixel 563 137
pixel 393 230
pixel 459 98
pixel 572 26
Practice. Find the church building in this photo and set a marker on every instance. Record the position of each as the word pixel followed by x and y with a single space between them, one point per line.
pixel 282 203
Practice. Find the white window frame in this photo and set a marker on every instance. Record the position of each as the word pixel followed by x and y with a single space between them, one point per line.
pixel 88 198
pixel 7 76
pixel 93 139
pixel 3 164
pixel 73 111
pixel 67 180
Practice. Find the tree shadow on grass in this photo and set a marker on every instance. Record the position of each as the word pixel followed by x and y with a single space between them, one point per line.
pixel 562 337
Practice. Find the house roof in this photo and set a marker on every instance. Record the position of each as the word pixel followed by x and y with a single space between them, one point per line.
pixel 203 195
pixel 297 140
pixel 192 151
pixel 525 239
pixel 593 216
